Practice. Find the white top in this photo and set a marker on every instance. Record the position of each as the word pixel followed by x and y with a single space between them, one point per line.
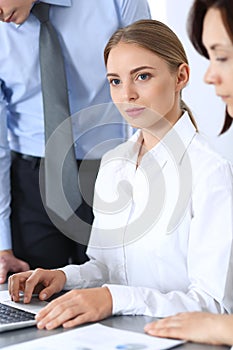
pixel 162 235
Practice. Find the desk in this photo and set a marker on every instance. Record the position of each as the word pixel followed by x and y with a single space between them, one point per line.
pixel 131 323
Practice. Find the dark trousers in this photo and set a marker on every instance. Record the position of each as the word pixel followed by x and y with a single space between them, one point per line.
pixel 36 239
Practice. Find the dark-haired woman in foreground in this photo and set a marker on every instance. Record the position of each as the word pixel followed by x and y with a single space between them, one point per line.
pixel 211 32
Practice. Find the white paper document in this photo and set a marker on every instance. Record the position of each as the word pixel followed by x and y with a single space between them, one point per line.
pixel 97 337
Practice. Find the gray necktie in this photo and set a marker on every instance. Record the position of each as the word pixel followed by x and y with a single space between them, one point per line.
pixel 61 173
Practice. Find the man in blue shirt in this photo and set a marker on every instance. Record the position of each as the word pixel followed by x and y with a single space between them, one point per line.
pixel 28 237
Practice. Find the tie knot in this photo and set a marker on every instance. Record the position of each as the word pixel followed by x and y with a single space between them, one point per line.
pixel 41 11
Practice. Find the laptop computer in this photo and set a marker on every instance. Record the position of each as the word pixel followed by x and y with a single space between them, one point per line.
pixel 18 315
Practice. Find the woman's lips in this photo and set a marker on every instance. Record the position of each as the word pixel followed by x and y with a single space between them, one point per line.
pixel 134 112
pixel 223 97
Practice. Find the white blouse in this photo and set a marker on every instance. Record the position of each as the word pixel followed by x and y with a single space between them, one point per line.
pixel 162 236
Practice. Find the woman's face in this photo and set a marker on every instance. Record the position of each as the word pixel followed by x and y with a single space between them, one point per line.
pixel 220 50
pixel 142 86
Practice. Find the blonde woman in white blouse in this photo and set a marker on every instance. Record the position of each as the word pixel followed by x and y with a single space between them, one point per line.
pixel 163 201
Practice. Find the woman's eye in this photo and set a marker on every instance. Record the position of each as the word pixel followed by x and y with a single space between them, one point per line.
pixel 221 59
pixel 114 82
pixel 143 76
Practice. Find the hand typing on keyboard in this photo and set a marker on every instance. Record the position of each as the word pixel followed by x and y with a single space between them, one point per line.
pixel 45 283
pixel 72 309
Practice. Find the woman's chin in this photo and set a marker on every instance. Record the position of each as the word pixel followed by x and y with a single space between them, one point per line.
pixel 230 110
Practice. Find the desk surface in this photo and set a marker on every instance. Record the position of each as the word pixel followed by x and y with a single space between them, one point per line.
pixel 131 323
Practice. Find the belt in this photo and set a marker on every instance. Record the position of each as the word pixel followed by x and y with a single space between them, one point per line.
pixel 25 156
pixel 34 161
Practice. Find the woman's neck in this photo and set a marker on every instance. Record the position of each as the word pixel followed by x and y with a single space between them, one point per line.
pixel 156 133
pixel 153 135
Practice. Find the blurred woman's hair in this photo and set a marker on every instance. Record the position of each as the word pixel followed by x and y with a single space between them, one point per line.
pixel 195 28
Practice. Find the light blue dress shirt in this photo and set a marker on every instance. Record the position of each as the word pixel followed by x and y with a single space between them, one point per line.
pixel 84 27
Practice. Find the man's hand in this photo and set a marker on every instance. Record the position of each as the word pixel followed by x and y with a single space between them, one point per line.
pixel 40 281
pixel 9 263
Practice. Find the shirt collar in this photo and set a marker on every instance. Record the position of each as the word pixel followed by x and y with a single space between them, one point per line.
pixel 173 145
pixel 58 2
pixel 178 139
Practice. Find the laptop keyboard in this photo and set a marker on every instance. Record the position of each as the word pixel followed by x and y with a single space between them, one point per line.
pixel 9 314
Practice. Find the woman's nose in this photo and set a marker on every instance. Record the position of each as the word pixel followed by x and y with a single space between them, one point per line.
pixel 210 76
pixel 130 93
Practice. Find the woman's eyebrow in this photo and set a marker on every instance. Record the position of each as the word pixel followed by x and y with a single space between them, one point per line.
pixel 219 46
pixel 112 74
pixel 133 71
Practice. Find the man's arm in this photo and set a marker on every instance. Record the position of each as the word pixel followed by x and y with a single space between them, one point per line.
pixel 133 10
pixel 8 262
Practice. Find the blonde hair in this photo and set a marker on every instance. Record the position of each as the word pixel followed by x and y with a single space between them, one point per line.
pixel 157 37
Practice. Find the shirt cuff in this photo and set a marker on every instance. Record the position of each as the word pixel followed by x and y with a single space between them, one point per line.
pixel 5 235
pixel 126 300
pixel 73 278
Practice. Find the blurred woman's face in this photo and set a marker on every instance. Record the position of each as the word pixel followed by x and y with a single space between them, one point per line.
pixel 220 50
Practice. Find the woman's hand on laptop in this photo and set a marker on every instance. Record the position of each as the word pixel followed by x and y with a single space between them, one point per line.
pixel 75 308
pixel 45 283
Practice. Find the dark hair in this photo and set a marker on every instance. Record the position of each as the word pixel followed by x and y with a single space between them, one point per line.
pixel 156 37
pixel 195 28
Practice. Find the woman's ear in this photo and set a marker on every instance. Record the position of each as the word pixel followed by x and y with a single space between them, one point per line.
pixel 182 76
